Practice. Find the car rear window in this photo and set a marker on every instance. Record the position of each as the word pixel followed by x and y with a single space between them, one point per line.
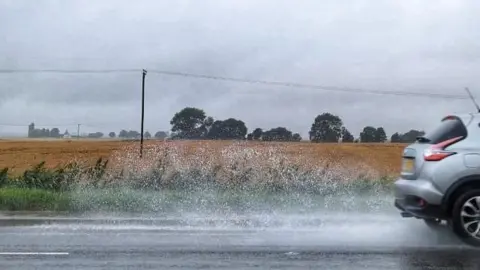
pixel 448 129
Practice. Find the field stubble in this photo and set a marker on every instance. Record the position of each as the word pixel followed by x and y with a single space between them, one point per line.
pixel 19 155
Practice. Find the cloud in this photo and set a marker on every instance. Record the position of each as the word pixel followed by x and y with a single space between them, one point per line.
pixel 392 46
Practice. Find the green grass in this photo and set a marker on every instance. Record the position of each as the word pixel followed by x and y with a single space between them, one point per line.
pixel 21 199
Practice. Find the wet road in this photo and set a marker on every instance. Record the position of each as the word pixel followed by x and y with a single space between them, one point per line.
pixel 322 241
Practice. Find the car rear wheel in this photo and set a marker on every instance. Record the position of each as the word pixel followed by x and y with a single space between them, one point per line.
pixel 465 221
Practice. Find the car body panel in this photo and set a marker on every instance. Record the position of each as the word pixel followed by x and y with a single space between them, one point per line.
pixel 472 160
pixel 435 181
pixel 420 188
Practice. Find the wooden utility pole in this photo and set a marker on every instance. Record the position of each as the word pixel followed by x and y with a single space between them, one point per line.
pixel 144 73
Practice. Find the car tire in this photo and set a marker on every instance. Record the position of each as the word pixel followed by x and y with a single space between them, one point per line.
pixel 458 220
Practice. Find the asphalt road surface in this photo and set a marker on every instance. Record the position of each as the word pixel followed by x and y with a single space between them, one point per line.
pixel 320 241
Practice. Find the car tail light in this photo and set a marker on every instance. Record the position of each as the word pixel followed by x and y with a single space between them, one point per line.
pixel 437 152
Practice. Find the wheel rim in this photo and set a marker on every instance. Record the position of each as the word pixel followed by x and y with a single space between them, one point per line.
pixel 470 216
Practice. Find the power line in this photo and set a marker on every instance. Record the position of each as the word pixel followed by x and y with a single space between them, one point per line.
pixel 19 125
pixel 299 85
pixel 240 80
pixel 69 70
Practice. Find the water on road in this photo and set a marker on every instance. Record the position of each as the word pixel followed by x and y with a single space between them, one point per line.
pixel 320 240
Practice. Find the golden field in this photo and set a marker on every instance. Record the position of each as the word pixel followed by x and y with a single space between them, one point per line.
pixel 19 155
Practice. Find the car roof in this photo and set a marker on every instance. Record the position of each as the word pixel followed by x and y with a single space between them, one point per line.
pixel 464 115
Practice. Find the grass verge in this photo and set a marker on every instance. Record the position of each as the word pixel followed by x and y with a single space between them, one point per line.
pixel 21 199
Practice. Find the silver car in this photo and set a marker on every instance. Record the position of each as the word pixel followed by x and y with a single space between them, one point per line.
pixel 440 177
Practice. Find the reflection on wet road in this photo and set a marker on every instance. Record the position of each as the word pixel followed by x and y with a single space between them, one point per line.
pixel 318 241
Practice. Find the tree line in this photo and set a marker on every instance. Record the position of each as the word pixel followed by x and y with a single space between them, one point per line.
pixel 124 134
pixel 133 134
pixel 192 123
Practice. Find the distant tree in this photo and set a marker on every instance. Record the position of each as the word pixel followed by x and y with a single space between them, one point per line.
pixel 296 137
pixel 189 123
pixel 42 133
pixel 408 137
pixel 132 134
pixel 326 128
pixel 395 138
pixel 95 135
pixel 111 134
pixel 347 137
pixel 147 135
pixel 207 124
pixel 161 135
pixel 55 133
pixel 204 128
pixel 380 135
pixel 277 134
pixel 229 129
pixel 123 134
pixel 209 121
pixel 257 134
pixel 249 136
pixel 368 134
pixel 411 136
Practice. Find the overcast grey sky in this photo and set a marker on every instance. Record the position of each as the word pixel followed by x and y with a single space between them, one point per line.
pixel 416 46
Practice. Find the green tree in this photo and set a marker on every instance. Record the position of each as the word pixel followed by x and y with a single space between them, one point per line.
pixel 55 133
pixel 208 122
pixel 277 134
pixel 132 134
pixel 95 135
pixel 347 137
pixel 380 135
pixel 396 138
pixel 326 128
pixel 411 136
pixel 368 134
pixel 257 133
pixel 147 135
pixel 296 137
pixel 229 129
pixel 123 134
pixel 189 123
pixel 111 134
pixel 161 135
